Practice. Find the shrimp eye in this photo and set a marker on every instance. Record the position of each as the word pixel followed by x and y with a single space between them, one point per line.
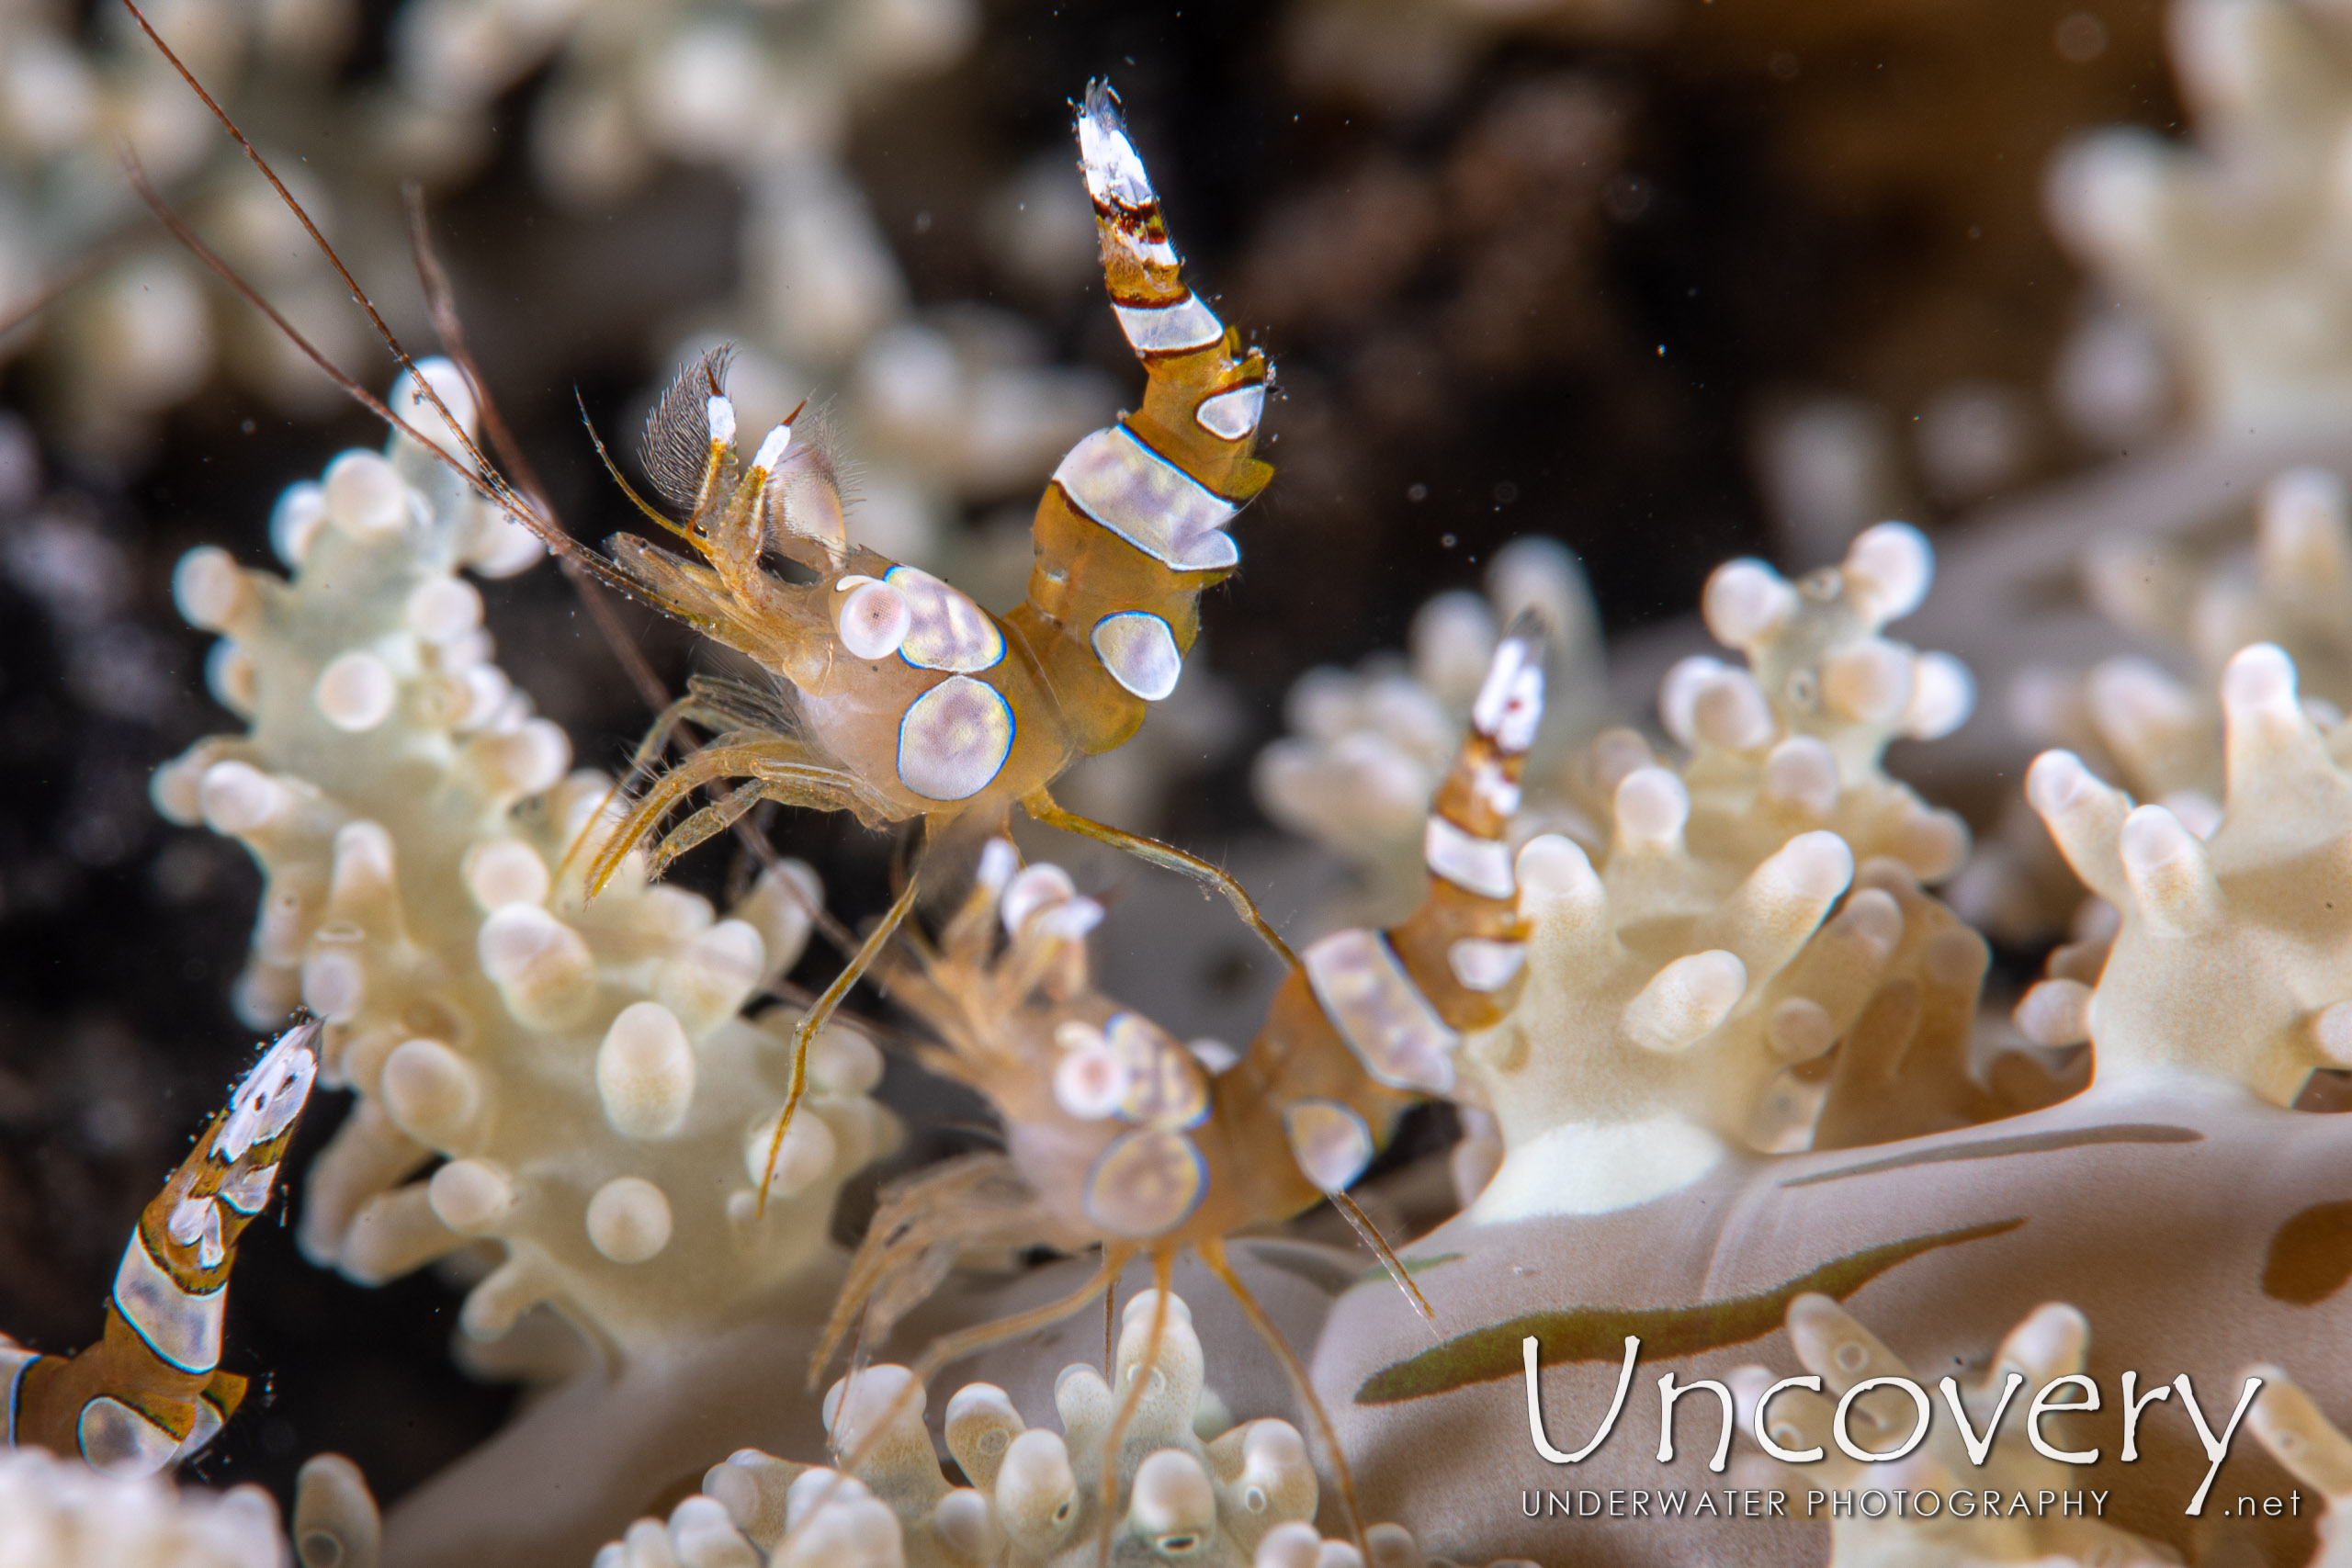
pixel 873 619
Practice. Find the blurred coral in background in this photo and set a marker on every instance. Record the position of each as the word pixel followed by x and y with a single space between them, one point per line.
pixel 1703 336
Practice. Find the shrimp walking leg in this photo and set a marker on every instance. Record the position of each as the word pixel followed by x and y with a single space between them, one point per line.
pixel 821 1012
pixel 1213 1253
pixel 1042 807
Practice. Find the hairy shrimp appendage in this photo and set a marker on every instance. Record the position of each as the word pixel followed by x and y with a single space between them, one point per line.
pixel 779 768
pixel 819 1012
pixel 440 299
pixel 150 1392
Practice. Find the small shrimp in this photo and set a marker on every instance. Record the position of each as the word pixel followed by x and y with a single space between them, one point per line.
pixel 150 1392
pixel 1122 1136
pixel 902 698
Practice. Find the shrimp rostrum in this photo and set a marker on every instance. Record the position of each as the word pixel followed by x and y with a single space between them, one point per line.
pixel 1120 1135
pixel 900 697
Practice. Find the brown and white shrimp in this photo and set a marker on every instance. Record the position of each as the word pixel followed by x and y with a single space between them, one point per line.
pixel 899 698
pixel 150 1392
pixel 1122 1136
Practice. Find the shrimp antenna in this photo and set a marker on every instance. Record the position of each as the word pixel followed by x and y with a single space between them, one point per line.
pixel 441 303
pixel 303 217
pixel 205 253
pixel 501 494
pixel 1370 1233
pixel 485 475
pixel 441 300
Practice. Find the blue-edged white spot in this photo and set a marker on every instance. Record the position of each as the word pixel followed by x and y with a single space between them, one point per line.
pixel 180 1326
pixel 1380 1012
pixel 121 1442
pixel 1145 1184
pixel 1330 1142
pixel 1139 650
pixel 1180 328
pixel 954 738
pixel 1113 477
pixel 1481 964
pixel 946 630
pixel 1231 415
pixel 1165 1087
pixel 1471 863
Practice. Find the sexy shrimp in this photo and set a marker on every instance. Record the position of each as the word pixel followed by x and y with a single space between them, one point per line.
pixel 899 698
pixel 906 699
pixel 1119 1135
pixel 150 1392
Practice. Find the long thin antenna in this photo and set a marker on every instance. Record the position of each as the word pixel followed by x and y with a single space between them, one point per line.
pixel 1372 1238
pixel 486 474
pixel 204 253
pixel 302 216
pixel 441 302
pixel 487 481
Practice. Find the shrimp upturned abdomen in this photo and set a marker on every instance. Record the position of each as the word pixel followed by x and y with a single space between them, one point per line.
pixel 1133 526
